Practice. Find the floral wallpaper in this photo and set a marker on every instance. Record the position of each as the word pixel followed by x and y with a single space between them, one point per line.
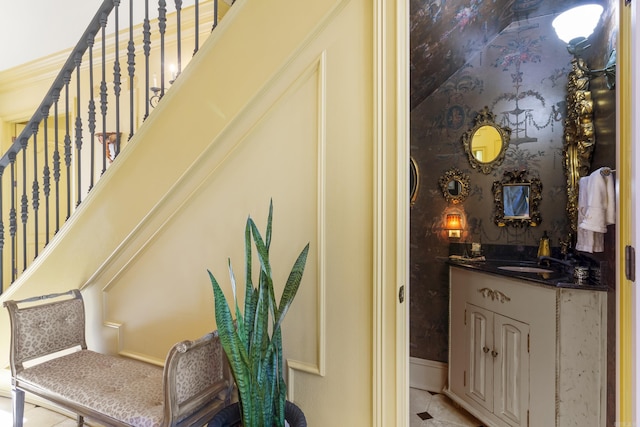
pixel 446 34
pixel 520 75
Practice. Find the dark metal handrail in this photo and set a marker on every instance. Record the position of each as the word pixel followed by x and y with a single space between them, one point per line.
pixel 53 169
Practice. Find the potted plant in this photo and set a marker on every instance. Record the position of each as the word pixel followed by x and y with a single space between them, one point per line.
pixel 253 341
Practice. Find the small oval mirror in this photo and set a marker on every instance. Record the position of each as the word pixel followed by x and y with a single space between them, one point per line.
pixel 454 188
pixel 486 142
pixel 454 185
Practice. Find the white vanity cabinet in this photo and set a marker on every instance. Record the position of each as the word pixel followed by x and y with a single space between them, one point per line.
pixel 526 354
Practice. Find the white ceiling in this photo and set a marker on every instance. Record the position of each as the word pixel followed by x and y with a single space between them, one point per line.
pixel 32 29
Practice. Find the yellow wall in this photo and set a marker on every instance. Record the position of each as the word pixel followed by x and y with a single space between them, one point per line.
pixel 288 100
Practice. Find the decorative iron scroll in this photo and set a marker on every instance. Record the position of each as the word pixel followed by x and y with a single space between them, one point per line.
pixel 579 140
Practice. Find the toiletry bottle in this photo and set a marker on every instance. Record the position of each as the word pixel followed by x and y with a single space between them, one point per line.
pixel 544 248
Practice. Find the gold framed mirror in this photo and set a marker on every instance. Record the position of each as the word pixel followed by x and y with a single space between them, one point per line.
pixel 414 181
pixel 454 185
pixel 517 200
pixel 486 142
pixel 579 141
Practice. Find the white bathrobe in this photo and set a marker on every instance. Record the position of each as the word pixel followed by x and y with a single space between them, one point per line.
pixel 596 210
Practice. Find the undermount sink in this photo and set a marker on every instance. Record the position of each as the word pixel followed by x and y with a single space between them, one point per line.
pixel 525 269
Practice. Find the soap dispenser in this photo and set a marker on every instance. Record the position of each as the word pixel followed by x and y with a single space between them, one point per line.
pixel 544 248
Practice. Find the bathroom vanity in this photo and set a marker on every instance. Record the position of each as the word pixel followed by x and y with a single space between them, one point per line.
pixel 526 348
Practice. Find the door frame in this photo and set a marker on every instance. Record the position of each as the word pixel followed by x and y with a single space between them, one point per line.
pixel 390 394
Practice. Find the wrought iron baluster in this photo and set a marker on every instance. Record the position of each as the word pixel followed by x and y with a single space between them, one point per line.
pixel 215 15
pixel 178 38
pixel 78 60
pixel 116 73
pixel 103 89
pixel 92 116
pixel 13 223
pixel 56 162
pixel 131 62
pixel 35 196
pixel 67 140
pixel 24 202
pixel 46 183
pixel 146 35
pixel 162 26
pixel 197 26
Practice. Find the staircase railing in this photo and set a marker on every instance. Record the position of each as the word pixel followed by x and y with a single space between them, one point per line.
pixel 52 165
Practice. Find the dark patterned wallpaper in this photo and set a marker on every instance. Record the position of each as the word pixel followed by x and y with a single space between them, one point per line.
pixel 521 76
pixel 446 34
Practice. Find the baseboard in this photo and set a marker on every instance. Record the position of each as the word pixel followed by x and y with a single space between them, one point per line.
pixel 427 374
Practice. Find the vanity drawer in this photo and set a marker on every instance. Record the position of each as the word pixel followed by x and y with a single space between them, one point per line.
pixel 514 298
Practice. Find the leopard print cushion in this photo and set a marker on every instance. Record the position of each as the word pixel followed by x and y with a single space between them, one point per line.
pixel 197 372
pixel 49 328
pixel 125 389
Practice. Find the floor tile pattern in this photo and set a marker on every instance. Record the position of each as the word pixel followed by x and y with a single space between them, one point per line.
pixel 437 410
pixel 427 410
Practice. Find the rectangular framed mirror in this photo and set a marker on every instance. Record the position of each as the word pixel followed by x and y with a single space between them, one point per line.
pixel 516 200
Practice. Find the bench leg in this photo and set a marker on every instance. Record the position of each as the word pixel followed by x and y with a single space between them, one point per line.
pixel 18 406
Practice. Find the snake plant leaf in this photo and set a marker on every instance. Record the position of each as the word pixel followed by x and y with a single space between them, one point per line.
pixel 265 265
pixel 249 302
pixel 231 343
pixel 292 286
pixel 255 357
pixel 269 225
pixel 239 318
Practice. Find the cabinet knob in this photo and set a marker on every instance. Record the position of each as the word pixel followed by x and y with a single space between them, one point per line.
pixel 485 349
pixel 494 353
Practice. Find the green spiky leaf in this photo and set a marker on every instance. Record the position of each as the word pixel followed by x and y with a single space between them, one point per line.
pixel 254 355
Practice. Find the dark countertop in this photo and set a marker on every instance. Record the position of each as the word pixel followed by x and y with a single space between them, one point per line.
pixel 560 277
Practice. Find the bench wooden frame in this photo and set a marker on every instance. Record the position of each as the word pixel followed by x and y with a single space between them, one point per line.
pixel 194 384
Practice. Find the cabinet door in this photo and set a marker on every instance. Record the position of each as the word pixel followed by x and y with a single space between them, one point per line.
pixel 511 370
pixel 479 331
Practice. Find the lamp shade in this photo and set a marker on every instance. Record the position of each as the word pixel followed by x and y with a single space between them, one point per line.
pixel 453 222
pixel 578 22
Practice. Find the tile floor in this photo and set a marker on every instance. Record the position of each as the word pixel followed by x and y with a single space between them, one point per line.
pixel 427 410
pixel 437 410
pixel 34 416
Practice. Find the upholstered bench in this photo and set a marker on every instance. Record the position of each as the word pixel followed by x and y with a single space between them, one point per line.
pixel 194 384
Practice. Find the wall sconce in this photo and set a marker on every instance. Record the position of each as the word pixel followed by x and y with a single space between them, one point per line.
pixel 110 141
pixel 157 91
pixel 574 27
pixel 453 225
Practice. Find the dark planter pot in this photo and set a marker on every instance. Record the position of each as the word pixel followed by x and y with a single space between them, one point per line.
pixel 230 416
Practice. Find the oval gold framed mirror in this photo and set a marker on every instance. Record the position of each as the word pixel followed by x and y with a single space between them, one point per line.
pixel 454 185
pixel 486 142
pixel 414 181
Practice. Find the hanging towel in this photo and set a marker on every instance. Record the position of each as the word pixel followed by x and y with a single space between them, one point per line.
pixel 586 239
pixel 596 210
